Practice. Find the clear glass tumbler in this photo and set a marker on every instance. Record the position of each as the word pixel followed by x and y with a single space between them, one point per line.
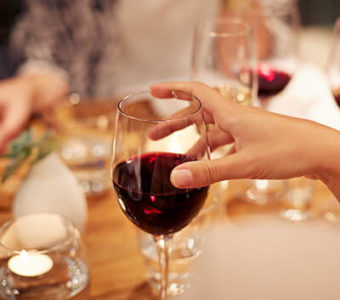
pixel 85 129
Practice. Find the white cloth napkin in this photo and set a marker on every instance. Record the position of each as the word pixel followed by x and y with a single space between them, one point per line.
pixel 308 96
pixel 269 259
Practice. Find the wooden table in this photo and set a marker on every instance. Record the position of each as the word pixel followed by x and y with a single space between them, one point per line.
pixel 116 266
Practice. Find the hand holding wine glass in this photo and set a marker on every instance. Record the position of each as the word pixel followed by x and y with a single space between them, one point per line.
pixel 255 132
pixel 142 164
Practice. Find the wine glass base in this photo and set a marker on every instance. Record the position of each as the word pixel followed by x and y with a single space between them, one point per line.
pixel 263 192
pixel 295 215
pixel 185 249
pixel 262 198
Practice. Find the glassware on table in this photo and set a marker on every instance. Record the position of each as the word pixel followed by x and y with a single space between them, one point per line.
pixel 334 63
pixel 42 257
pixel 275 27
pixel 152 136
pixel 184 248
pixel 85 126
pixel 330 207
pixel 223 57
pixel 297 201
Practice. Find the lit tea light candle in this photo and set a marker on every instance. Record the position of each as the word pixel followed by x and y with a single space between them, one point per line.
pixel 30 264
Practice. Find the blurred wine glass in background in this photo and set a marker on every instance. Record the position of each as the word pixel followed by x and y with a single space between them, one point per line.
pixel 276 32
pixel 330 207
pixel 223 58
pixel 334 63
pixel 85 129
pixel 276 28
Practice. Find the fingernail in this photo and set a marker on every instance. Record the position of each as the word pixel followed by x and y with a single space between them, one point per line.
pixel 182 178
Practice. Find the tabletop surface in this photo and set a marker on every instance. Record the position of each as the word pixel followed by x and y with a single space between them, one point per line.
pixel 116 266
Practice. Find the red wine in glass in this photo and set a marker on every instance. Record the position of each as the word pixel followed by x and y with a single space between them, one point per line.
pixel 148 198
pixel 143 161
pixel 336 95
pixel 271 81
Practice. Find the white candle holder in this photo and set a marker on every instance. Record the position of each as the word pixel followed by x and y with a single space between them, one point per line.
pixel 42 257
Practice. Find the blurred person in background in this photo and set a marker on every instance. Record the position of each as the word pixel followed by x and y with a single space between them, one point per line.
pixel 96 48
pixel 99 48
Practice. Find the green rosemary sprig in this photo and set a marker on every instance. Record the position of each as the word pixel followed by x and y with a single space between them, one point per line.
pixel 24 146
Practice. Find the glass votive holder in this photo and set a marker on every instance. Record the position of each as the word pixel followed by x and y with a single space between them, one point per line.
pixel 42 257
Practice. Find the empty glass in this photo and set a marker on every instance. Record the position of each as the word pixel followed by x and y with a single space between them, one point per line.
pixel 86 141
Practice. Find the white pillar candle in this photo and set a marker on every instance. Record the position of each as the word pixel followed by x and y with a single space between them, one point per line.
pixel 30 264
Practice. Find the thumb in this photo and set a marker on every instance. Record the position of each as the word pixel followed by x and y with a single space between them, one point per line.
pixel 206 172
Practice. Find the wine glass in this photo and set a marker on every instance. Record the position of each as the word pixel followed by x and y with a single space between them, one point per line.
pixel 334 63
pixel 275 27
pixel 329 207
pixel 223 57
pixel 153 136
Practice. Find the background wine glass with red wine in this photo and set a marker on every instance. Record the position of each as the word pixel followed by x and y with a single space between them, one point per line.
pixel 271 81
pixel 153 136
pixel 275 28
pixel 334 63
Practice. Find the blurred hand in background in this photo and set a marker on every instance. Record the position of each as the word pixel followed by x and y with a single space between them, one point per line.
pixel 21 96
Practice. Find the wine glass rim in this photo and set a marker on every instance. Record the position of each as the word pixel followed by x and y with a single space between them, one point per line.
pixel 126 98
pixel 244 27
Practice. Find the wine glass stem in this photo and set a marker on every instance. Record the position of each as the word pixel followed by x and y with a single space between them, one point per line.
pixel 163 257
